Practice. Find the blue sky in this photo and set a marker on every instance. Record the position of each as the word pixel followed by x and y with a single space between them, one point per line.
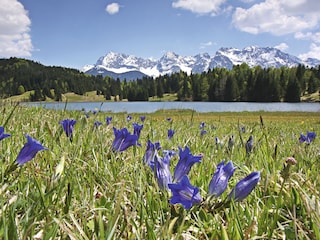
pixel 73 33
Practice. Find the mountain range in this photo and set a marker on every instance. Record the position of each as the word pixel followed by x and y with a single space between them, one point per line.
pixel 129 67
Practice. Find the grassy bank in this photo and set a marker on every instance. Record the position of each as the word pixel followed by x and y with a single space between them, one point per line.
pixel 93 97
pixel 87 97
pixel 84 190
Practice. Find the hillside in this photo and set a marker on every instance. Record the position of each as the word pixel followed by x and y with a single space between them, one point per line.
pixel 19 76
pixel 36 82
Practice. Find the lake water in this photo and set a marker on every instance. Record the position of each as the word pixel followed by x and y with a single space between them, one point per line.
pixel 148 107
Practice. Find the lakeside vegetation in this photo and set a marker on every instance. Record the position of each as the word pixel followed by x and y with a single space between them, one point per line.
pixel 88 97
pixel 35 82
pixel 82 189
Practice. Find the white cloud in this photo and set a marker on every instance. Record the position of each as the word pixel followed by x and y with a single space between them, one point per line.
pixel 282 46
pixel 15 39
pixel 112 8
pixel 205 45
pixel 200 6
pixel 315 37
pixel 278 17
pixel 314 52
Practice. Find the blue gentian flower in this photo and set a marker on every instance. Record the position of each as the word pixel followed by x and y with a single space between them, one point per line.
pixel 169 119
pixel 108 120
pixel 170 133
pixel 183 192
pixel 185 163
pixel 142 118
pixel 171 153
pixel 162 170
pixel 129 118
pixel 68 126
pixel 151 150
pixel 244 187
pixel 219 181
pixel 97 124
pixel 308 138
pixel 123 140
pixel 29 150
pixel 2 134
pixel 203 132
pixel 249 144
pixel 202 124
pixel 137 129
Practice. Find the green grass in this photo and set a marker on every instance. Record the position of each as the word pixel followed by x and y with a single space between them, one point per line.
pixel 313 97
pixel 87 97
pixel 70 97
pixel 167 97
pixel 83 190
pixel 93 97
pixel 20 98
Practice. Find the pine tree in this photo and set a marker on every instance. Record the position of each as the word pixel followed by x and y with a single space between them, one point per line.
pixel 293 91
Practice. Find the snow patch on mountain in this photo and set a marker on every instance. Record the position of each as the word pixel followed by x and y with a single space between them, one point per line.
pixel 119 64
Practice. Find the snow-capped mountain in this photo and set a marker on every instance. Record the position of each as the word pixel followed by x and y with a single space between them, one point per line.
pixel 123 66
pixel 253 56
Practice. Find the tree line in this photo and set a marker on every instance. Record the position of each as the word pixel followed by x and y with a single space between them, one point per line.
pixel 241 83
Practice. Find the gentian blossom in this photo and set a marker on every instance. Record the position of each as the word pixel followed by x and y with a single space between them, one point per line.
pixel 203 132
pixel 308 138
pixel 29 150
pixel 169 119
pixel 170 133
pixel 142 118
pixel 129 118
pixel 137 129
pixel 162 170
pixel 244 187
pixel 183 192
pixel 171 153
pixel 2 134
pixel 202 124
pixel 123 139
pixel 97 124
pixel 151 150
pixel 108 120
pixel 185 163
pixel 219 181
pixel 68 126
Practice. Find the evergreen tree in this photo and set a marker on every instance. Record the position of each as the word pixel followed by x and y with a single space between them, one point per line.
pixel 312 85
pixel 274 91
pixel 160 91
pixel 46 91
pixel 293 91
pixel 57 94
pixel 231 89
pixel 185 92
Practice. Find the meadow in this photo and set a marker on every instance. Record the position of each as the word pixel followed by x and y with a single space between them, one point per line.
pixel 83 189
